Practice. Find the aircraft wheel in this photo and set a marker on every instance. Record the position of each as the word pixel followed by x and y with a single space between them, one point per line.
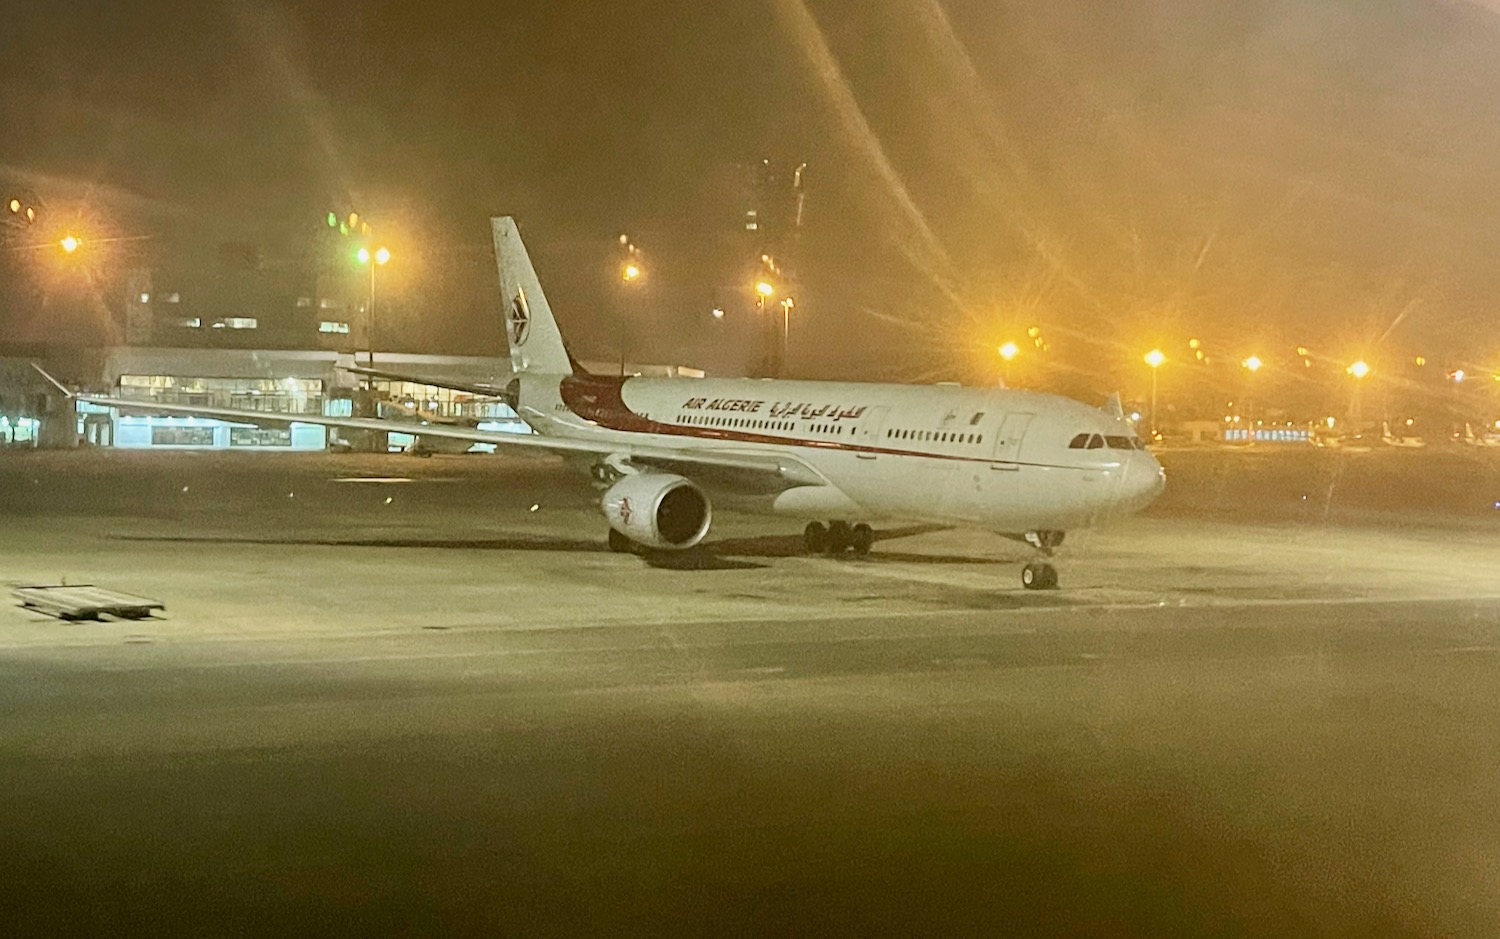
pixel 1039 577
pixel 815 537
pixel 861 537
pixel 620 544
pixel 838 537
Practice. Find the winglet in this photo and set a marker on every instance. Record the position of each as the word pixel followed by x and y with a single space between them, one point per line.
pixel 55 383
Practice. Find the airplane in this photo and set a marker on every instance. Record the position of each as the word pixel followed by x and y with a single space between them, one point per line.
pixel 1351 444
pixel 1022 464
pixel 1479 440
pixel 1391 440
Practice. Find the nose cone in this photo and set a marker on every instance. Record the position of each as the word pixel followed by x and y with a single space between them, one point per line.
pixel 1143 480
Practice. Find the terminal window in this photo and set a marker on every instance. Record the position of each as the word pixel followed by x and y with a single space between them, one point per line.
pixel 182 436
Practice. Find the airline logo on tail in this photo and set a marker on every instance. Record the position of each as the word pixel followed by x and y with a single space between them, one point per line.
pixel 535 343
pixel 520 319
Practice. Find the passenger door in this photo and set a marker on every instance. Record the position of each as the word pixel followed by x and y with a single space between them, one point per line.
pixel 869 430
pixel 1007 453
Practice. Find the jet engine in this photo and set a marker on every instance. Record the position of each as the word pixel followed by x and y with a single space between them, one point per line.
pixel 658 510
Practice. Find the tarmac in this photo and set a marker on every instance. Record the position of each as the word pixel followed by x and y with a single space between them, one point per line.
pixel 396 696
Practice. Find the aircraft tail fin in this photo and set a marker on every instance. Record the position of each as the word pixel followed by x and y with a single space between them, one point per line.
pixel 1114 407
pixel 536 345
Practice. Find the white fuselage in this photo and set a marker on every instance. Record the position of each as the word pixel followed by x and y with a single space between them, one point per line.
pixel 1003 460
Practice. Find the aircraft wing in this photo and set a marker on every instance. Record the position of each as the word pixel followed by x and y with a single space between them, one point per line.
pixel 476 388
pixel 772 470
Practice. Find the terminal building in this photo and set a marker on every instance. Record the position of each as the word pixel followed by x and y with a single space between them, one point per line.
pixel 177 321
pixel 277 381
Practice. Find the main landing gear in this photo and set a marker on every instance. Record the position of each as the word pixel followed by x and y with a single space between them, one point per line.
pixel 838 537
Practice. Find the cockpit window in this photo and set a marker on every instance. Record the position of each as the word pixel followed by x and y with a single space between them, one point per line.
pixel 1097 442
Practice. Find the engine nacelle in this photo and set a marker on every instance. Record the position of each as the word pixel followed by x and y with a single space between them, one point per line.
pixel 658 510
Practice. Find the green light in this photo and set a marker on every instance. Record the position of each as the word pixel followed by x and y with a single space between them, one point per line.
pixel 343 229
pixel 333 220
pixel 364 255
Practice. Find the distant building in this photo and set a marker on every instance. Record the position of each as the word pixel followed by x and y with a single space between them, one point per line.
pixel 276 381
pixel 772 222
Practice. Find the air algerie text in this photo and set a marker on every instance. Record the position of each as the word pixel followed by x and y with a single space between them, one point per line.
pixel 723 404
pixel 778 410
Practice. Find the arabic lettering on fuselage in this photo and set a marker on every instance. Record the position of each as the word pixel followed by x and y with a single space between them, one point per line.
pixel 778 410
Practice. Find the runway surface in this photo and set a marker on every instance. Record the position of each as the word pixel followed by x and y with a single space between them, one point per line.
pixel 422 706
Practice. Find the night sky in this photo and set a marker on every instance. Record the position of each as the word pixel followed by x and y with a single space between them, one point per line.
pixel 1318 172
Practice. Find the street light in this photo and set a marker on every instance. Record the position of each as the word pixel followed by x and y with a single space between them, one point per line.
pixel 380 257
pixel 70 244
pixel 786 327
pixel 764 288
pixel 1359 369
pixel 1008 351
pixel 631 276
pixel 1154 358
pixel 1251 365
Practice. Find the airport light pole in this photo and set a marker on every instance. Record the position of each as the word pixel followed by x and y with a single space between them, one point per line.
pixel 786 332
pixel 764 291
pixel 379 258
pixel 1357 370
pixel 1154 358
pixel 1008 351
pixel 631 273
pixel 1250 365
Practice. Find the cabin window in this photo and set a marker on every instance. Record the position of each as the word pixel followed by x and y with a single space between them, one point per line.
pixel 1079 442
pixel 1119 443
pixel 1095 442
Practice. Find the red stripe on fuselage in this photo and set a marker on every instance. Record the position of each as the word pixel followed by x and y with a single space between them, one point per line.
pixel 600 399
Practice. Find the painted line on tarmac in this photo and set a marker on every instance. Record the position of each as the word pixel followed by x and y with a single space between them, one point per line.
pixel 168 641
pixel 372 479
pixel 652 642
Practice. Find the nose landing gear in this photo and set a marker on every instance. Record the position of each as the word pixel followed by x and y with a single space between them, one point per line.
pixel 1040 575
